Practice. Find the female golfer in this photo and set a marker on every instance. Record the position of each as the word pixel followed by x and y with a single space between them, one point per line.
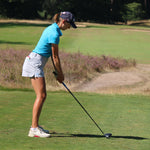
pixel 35 62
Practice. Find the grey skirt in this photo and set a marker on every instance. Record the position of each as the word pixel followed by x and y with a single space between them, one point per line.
pixel 33 65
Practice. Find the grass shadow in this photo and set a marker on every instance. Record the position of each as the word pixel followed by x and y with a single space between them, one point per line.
pixel 130 137
pixel 61 135
pixel 10 42
pixel 94 26
pixel 140 24
pixel 11 24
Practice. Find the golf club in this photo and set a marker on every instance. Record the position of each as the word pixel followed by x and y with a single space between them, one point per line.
pixel 107 135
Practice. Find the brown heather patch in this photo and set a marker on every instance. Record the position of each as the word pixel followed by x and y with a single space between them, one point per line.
pixel 76 67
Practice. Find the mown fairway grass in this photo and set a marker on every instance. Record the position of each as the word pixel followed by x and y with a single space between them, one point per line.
pixel 110 40
pixel 114 40
pixel 126 117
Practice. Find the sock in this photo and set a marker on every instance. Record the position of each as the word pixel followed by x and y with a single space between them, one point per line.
pixel 33 129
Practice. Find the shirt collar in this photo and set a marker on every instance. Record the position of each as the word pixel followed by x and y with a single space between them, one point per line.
pixel 58 29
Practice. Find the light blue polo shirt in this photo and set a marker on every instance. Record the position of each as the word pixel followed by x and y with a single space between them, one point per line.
pixel 49 36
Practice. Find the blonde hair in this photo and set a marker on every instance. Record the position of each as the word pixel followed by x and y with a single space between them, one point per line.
pixel 56 17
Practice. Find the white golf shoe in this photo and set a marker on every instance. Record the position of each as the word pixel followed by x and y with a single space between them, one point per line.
pixel 46 131
pixel 38 132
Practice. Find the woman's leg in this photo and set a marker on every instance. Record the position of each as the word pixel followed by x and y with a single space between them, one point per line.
pixel 40 90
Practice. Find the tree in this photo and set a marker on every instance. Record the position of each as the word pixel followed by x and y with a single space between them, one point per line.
pixel 106 11
pixel 20 8
pixel 134 11
pixel 50 7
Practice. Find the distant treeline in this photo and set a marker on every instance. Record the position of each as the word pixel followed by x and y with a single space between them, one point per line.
pixel 106 11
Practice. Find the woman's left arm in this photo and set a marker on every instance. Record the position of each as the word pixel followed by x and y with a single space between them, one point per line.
pixel 57 63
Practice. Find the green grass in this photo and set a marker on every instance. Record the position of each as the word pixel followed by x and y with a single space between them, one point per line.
pixel 125 116
pixel 109 41
pixel 93 40
pixel 19 36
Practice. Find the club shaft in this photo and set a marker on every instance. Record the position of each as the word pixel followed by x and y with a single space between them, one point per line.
pixel 82 107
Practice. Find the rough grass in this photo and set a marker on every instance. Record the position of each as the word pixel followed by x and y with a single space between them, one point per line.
pixel 76 67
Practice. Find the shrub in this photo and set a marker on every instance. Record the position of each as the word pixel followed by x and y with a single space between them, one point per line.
pixel 134 11
pixel 75 66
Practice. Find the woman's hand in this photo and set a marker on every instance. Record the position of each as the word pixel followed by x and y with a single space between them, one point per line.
pixel 60 77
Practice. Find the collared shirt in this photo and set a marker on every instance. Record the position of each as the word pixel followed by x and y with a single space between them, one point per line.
pixel 49 36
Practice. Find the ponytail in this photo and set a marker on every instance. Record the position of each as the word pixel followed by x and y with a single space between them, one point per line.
pixel 56 17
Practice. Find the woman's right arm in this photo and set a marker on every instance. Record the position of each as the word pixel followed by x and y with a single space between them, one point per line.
pixel 55 57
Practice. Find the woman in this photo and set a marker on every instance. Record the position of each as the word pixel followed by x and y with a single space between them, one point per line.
pixel 35 62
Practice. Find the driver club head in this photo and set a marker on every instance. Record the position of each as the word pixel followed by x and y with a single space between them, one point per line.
pixel 108 135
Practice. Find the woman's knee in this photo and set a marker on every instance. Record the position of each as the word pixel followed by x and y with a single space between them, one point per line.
pixel 42 96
